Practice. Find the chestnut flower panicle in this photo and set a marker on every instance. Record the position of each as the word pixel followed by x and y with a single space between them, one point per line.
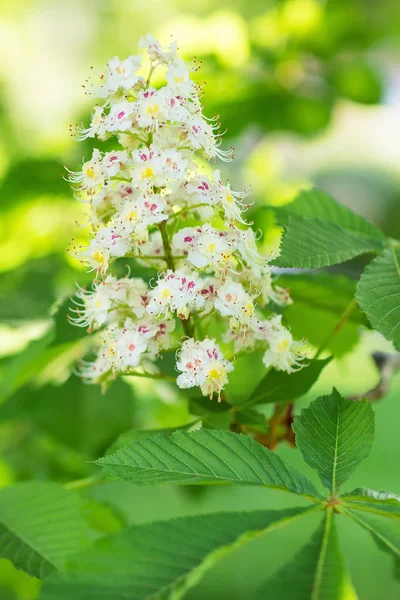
pixel 140 197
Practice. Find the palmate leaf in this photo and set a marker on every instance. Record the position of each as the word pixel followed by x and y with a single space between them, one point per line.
pixel 41 524
pixel 334 436
pixel 378 294
pixel 385 532
pixel 317 571
pixel 381 503
pixel 320 232
pixel 161 560
pixel 278 386
pixel 205 456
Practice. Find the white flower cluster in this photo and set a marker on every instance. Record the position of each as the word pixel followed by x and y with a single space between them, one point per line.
pixel 141 198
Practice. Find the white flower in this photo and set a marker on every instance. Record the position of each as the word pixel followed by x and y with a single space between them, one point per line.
pixel 152 109
pixel 205 246
pixel 120 74
pixel 114 162
pixel 156 52
pixel 138 215
pixel 230 202
pixel 203 365
pixel 92 307
pixel 139 197
pixel 177 291
pixel 284 354
pixel 106 244
pixel 178 78
pixel 121 117
pixel 131 343
pixel 92 174
pixel 97 126
pixel 233 301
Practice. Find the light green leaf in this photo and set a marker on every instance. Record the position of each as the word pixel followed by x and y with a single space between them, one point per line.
pixel 327 245
pixel 132 435
pixel 278 386
pixel 378 294
pixel 320 232
pixel 161 560
pixel 334 436
pixel 324 291
pixel 314 204
pixel 385 532
pixel 316 572
pixel 205 456
pixel 41 524
pixel 381 503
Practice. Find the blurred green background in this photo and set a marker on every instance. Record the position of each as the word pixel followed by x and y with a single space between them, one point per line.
pixel 310 93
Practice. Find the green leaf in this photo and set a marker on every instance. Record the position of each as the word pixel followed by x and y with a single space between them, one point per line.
pixel 278 386
pixel 385 532
pixel 324 291
pixel 161 560
pixel 334 436
pixel 314 204
pixel 338 234
pixel 382 503
pixel 378 294
pixel 316 572
pixel 132 435
pixel 205 456
pixel 41 524
pixel 328 245
pixel 317 327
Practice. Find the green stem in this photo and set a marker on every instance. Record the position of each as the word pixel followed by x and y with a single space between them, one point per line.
pixel 78 484
pixel 343 319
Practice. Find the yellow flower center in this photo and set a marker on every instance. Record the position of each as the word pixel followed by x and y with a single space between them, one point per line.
pixel 131 215
pixel 90 172
pixel 148 172
pixel 283 345
pixel 153 109
pixel 98 257
pixel 216 373
pixel 98 304
pixel 211 248
pixel 166 293
pixel 229 198
pixel 179 78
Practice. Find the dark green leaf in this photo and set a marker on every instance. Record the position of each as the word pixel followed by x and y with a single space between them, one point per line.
pixel 41 524
pixel 378 294
pixel 334 436
pixel 278 386
pixel 161 560
pixel 205 456
pixel 91 420
pixel 316 572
